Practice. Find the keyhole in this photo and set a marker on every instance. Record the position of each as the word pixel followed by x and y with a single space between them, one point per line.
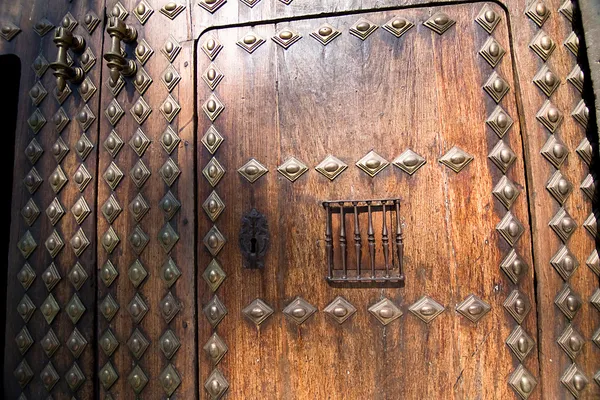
pixel 253 245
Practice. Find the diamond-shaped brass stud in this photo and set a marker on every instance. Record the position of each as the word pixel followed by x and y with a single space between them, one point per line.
pixel 211 5
pixel 257 312
pixel 363 28
pixel 57 179
pixel 49 308
pixel 171 49
pixel 83 147
pixel 139 173
pixel 212 139
pixel 138 240
pixel 473 308
pixel 555 151
pixel 137 379
pixel 137 343
pixel 211 47
pixel 42 27
pixel 585 151
pixel 213 107
pixel 77 276
pixel 172 10
pixel 597 377
pixel 137 308
pixel 26 244
pixel 538 12
pixel 513 266
pixel 61 120
pixel 169 379
pixel 576 78
pixel 252 170
pixel 169 344
pixel 506 192
pixel 85 118
pixel 138 207
pixel 571 342
pixel 372 163
pixel 591 225
pixel 510 228
pixel 82 177
pixel 250 42
pixel 26 276
pixel 595 299
pixel 572 43
pixel 292 169
pixel 439 23
pixel 40 65
pixel 137 273
pixel 23 340
pixel 517 304
pixel 76 343
pixel 212 76
pixel 115 88
pixel 568 301
pixel 23 373
pixel 91 21
pixel 286 37
pixel 566 9
pixel 215 348
pixel 143 51
pixel 139 142
pixel 398 26
pixel 49 376
pixel 30 212
pixel 167 237
pixel 169 272
pixel 325 34
pixel 213 206
pixel 110 240
pixel 36 121
pixel 563 225
pixel 542 45
pixel 593 262
pixel 61 97
pixel 59 150
pixel 250 3
pixel 549 116
pixel 32 180
pixel 75 308
pixel 170 78
pixel 214 240
pixel 142 12
pixel 575 380
pixel 581 113
pixel 169 307
pixel 54 244
pixel 51 277
pixel 559 187
pixel 520 343
pixel 492 51
pixel 50 343
pixel 169 172
pixel 214 275
pixel 33 151
pixel 141 82
pixel 503 156
pixel 169 205
pixel 169 140
pixel 299 310
pixel 140 111
pixel 9 31
pixel 111 209
pixel 170 108
pixel 25 308
pixel 80 210
pixel 546 80
pixel 87 61
pixel 522 382
pixel 214 311
pixel 114 112
pixel 588 186
pixel 74 377
pixel 108 376
pixel 340 309
pixel 409 161
pixel 426 309
pixel 119 11
pixel 113 144
pixel 109 307
pixel 213 172
pixel 496 87
pixel 37 93
pixel 456 159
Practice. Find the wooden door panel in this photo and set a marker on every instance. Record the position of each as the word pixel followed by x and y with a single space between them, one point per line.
pixel 422 92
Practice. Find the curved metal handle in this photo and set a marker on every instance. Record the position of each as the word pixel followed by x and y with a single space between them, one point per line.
pixel 117 63
pixel 63 72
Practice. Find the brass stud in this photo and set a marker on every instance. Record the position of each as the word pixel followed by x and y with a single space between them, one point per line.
pixel 496 87
pixel 37 93
pixel 26 308
pixel 49 309
pixel 169 140
pixel 57 179
pixel 62 96
pixel 456 159
pixel 141 82
pixel 546 80
pixel 214 275
pixel 439 23
pixel 549 116
pixel 538 12
pixel 492 52
pixel 503 156
pixel 54 244
pixel 575 380
pixel 110 240
pixel 169 379
pixel 119 11
pixel 169 307
pixel 212 47
pixel 517 304
pixel 555 151
pixel 42 27
pixel 140 111
pixel 111 209
pixel 49 376
pixel 23 340
pixel 143 51
pixel 213 172
pixel 597 377
pixel 520 343
pixel 26 244
pixel 257 312
pixel 409 162
pixel 113 143
pixel 36 121
pixel 372 163
pixel 213 206
pixel 572 43
pixel 510 228
pixel 250 3
pixel 211 5
pixel 212 76
pixel 593 262
pixel 40 65
pixel 215 348
pixel 87 89
pixel 506 192
pixel 591 225
pixel 169 344
pixel 51 277
pixel 8 31
pixel 76 343
pixel 26 276
pixel 170 108
pixel 114 112
pixel 595 299
pixel 87 60
pixel 138 240
pixel 252 170
pixel 91 21
pixel 214 311
pixel 514 266
pixel 137 379
pixel 75 309
pixel 108 376
pixel 23 373
pixel 398 26
pixel 522 382
pixel 213 107
pixel 30 212
pixel 138 207
pixel 250 42
pixel 542 45
pixel 74 377
pixel 340 309
pixel 137 273
pixel 426 309
pixel 292 169
pixel 169 172
pixel 212 139
pixel 115 88
pixel 170 78
pixel 566 9
pixel 568 301
pixel 363 28
pixel 137 308
pixel 171 49
pixel 588 186
pixel 169 272
pixel 139 142
pixel 109 307
pixel 61 120
pixel 325 34
pixel 113 175
pixel 139 173
pixel 169 205
pixel 299 310
pixel 32 180
pixel 77 276
pixel 559 187
pixel 83 147
pixel 137 343
pixel 563 225
pixel 214 240
pixel 581 113
pixel 55 211
pixel 142 12
pixel 172 10
pixel 571 342
pixel 167 237
pixel 59 150
pixel 473 308
pixel 286 37
pixel 216 385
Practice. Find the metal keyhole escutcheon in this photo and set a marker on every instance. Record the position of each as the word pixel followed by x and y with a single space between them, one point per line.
pixel 254 239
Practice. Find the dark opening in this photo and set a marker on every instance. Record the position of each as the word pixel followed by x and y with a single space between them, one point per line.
pixel 10 66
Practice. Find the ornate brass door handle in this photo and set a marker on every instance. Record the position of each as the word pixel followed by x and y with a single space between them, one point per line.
pixel 63 72
pixel 117 63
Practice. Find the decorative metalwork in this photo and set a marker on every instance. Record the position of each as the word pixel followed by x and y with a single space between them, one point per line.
pixel 23 340
pixel 143 51
pixel 110 240
pixel 26 245
pixel 109 307
pixel 549 116
pixel 49 308
pixel 212 47
pixel 575 380
pixel 42 27
pixel 572 43
pixel 538 12
pixel 108 376
pixel 211 5
pixel 169 140
pixel 33 151
pixel 40 65
pixel 292 169
pixel 215 348
pixel 363 28
pixel 58 179
pixel 426 309
pixel 32 180
pixel 340 309
pixel 114 112
pixel 91 21
pixel 250 42
pixel 9 31
pixel 456 159
pixel 137 308
pixel 137 378
pixel 566 9
pixel 138 207
pixel 30 212
pixel 51 277
pixel 325 34
pixel 76 343
pixel 216 385
pixel 214 275
pixel 77 276
pixel 286 37
pixel 398 26
pixel 409 161
pixel 372 163
pixel 588 186
pixel 559 187
pixel 142 12
pixel 563 225
pixel 546 80
pixel 113 144
pixel 522 382
pixel 25 308
pixel 496 87
pixel 170 78
pixel 119 11
pixel 141 83
pixel 139 142
pixel 571 342
pixel 113 175
pixel 514 266
pixel 137 273
pixel 585 151
pixel 439 23
pixel 214 311
pixel 555 151
pixel 213 107
pixel 518 305
pixel 23 373
pixel 26 276
pixel 138 240
pixel 542 45
pixel 492 52
pixel 49 376
pixel 169 272
pixel 170 108
pixel 87 60
pixel 593 262
pixel 137 344
pixel 564 262
pixel 167 237
pixel 254 239
pixel 213 206
pixel 111 209
pixel 169 172
pixel 591 225
pixel 506 192
pixel 171 10
pixel 252 170
pixel 214 240
pixel 385 311
pixel 169 344
pixel 473 308
pixel 213 172
pixel 510 228
pixel 169 379
pixel 140 111
pixel 257 312
pixel 520 343
pixel 299 310
pixel 75 309
pixel 576 78
pixel 503 156
pixel 171 49
pixel 54 244
pixel 139 173
pixel 37 93
pixel 169 204
pixel 36 121
pixel 169 307
pixel 568 301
